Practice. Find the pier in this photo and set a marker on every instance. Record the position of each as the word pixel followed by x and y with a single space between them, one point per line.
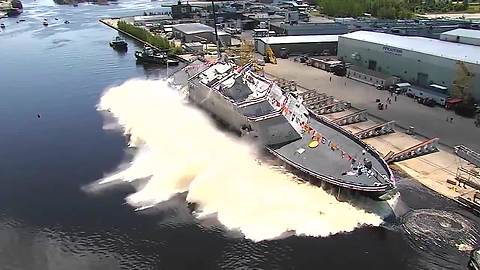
pixel 113 23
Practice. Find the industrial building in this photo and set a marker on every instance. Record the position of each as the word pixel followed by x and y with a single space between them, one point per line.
pixel 182 11
pixel 429 28
pixel 465 36
pixel 303 29
pixel 312 45
pixel 197 32
pixel 418 60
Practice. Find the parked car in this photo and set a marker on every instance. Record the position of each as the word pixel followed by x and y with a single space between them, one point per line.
pixel 426 101
pixel 283 53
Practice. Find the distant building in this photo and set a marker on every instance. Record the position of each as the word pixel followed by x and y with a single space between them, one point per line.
pixel 466 36
pixel 303 29
pixel 297 45
pixel 197 32
pixel 181 11
pixel 418 60
pixel 429 28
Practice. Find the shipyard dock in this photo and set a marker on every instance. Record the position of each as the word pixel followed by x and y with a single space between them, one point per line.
pixel 431 170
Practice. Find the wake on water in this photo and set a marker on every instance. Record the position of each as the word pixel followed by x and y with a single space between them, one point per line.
pixel 179 149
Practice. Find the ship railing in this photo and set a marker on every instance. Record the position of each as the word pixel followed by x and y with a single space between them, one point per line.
pixel 368 148
pixel 247 103
pixel 265 116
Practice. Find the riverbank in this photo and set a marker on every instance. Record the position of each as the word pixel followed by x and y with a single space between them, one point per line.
pixel 431 170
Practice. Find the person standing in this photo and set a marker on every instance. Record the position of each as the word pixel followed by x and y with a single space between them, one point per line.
pixel 395 98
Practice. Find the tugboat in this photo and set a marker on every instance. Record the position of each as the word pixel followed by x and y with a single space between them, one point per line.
pixel 150 56
pixel 118 43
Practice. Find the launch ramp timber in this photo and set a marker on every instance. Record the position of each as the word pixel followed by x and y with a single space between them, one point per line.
pixel 352 118
pixel 377 130
pixel 468 154
pixel 421 149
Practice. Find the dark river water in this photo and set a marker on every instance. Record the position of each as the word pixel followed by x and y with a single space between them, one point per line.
pixel 48 222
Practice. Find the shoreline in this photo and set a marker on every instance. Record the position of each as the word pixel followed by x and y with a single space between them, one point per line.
pixel 112 23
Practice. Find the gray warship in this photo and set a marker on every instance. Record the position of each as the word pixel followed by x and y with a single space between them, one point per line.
pixel 322 152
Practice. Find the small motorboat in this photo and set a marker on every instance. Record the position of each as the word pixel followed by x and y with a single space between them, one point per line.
pixel 66 22
pixel 45 23
pixel 2 26
pixel 118 43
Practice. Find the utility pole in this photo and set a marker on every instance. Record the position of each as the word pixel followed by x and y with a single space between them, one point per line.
pixel 216 31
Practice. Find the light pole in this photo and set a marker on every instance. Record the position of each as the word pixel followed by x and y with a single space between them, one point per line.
pixel 216 31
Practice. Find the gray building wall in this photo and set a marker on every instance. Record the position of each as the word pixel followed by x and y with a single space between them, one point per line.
pixel 199 37
pixel 303 29
pixel 314 48
pixel 411 66
pixel 460 39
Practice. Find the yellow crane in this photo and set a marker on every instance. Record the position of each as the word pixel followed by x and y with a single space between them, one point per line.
pixel 270 56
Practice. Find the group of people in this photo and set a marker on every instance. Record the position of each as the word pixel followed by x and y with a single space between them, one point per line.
pixel 388 101
pixel 362 168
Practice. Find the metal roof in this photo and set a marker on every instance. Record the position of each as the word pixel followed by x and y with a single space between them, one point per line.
pixel 435 47
pixel 463 33
pixel 195 28
pixel 192 28
pixel 300 39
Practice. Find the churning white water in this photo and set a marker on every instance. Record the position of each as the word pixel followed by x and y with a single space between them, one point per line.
pixel 179 149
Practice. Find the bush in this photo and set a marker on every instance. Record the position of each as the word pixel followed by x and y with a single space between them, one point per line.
pixel 175 50
pixel 144 34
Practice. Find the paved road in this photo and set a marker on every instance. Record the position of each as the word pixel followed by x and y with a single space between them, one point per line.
pixel 429 122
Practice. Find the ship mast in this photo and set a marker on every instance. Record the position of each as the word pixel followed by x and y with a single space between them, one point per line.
pixel 216 31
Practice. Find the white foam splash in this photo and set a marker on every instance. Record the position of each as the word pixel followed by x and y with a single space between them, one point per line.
pixel 181 150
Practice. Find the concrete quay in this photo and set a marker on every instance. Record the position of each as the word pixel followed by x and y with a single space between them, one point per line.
pixel 431 170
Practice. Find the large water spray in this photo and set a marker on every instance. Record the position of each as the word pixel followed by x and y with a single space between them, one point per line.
pixel 179 149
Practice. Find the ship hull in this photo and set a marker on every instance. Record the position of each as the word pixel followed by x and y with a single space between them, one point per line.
pixel 333 186
pixel 225 113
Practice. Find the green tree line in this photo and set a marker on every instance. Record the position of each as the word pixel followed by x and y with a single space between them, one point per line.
pixel 386 9
pixel 145 35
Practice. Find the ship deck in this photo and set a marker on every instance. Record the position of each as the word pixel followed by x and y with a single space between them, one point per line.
pixel 329 165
